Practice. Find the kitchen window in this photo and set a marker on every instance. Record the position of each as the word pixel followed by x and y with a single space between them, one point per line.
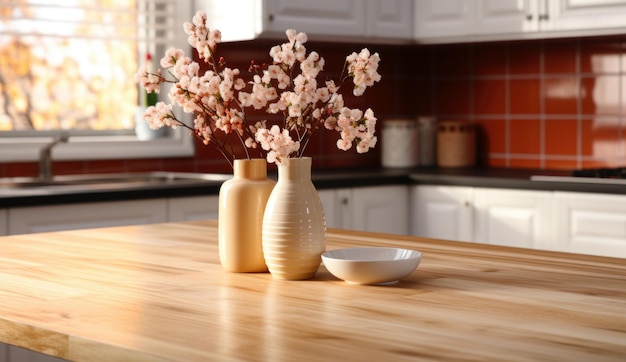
pixel 67 66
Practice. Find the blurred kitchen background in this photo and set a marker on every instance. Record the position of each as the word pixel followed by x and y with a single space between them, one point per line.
pixel 540 99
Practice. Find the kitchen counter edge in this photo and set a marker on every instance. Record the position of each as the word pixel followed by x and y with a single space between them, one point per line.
pixel 329 179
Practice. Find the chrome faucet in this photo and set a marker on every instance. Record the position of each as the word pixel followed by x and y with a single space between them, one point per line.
pixel 45 157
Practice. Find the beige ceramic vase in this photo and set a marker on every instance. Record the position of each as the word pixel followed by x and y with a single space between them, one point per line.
pixel 294 227
pixel 242 202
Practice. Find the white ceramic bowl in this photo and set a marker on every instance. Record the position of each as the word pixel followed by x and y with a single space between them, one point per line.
pixel 371 265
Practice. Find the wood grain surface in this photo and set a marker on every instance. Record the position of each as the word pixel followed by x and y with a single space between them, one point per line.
pixel 157 292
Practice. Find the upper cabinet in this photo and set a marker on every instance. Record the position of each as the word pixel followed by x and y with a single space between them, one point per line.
pixel 585 14
pixel 406 21
pixel 338 20
pixel 440 21
pixel 506 16
pixel 321 17
pixel 443 18
pixel 390 19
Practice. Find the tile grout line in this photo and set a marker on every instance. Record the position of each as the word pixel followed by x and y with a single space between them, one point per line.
pixel 507 106
pixel 621 104
pixel 579 127
pixel 542 121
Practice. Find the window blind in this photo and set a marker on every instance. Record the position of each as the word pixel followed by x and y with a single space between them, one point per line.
pixel 144 20
pixel 104 41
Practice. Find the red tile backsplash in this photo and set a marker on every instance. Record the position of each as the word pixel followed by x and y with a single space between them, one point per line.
pixel 524 58
pixel 453 60
pixel 560 57
pixel 537 103
pixel 525 96
pixel 563 134
pixel 543 110
pixel 453 97
pixel 601 57
pixel 489 59
pixel 492 136
pixel 526 137
pixel 561 95
pixel 489 96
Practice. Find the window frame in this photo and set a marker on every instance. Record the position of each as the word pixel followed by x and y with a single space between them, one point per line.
pixel 178 142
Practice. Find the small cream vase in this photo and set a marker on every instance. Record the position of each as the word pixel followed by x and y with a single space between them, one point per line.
pixel 294 227
pixel 242 202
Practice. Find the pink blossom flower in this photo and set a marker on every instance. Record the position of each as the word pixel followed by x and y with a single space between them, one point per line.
pixel 363 67
pixel 159 115
pixel 220 99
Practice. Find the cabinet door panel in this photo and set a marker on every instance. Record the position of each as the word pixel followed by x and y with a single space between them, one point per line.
pixel 4 219
pixel 441 18
pixel 442 212
pixel 325 17
pixel 591 223
pixel 380 209
pixel 328 199
pixel 192 208
pixel 343 206
pixel 18 354
pixel 24 220
pixel 390 19
pixel 585 14
pixel 506 16
pixel 517 218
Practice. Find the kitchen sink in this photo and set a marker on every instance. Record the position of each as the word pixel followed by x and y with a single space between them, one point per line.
pixel 108 181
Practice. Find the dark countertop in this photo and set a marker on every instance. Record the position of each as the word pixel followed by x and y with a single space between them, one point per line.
pixel 325 179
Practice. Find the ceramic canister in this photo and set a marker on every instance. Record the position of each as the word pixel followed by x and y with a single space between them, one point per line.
pixel 456 144
pixel 400 140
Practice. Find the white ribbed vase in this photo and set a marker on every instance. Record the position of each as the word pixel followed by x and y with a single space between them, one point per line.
pixel 294 227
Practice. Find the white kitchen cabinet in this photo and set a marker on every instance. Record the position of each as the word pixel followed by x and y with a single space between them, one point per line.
pixel 519 218
pixel 506 16
pixel 442 18
pixel 442 212
pixel 585 14
pixel 591 223
pixel 192 208
pixel 321 20
pixel 356 19
pixel 4 221
pixel 390 19
pixel 476 20
pixel 585 223
pixel 22 220
pixel 322 17
pixel 382 209
pixel 10 353
pixel 328 198
pixel 507 217
pixel 377 208
pixel 458 20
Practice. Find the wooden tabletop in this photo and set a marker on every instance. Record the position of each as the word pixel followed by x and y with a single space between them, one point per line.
pixel 157 292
